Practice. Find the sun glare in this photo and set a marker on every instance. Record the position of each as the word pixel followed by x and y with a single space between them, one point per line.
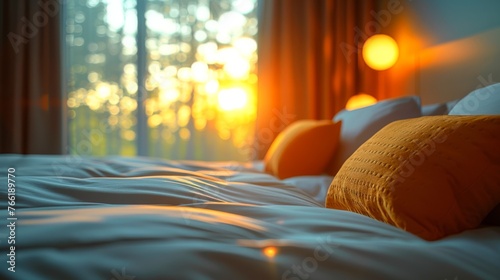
pixel 201 85
pixel 232 99
pixel 238 68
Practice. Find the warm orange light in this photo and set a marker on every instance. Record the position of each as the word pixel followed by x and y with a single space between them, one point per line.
pixel 359 101
pixel 232 99
pixel 270 252
pixel 380 52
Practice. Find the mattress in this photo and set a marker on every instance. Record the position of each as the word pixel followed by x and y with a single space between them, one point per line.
pixel 144 218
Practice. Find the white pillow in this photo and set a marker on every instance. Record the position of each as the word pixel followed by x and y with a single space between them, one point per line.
pixel 435 109
pixel 438 108
pixel 359 125
pixel 315 186
pixel 483 101
pixel 451 104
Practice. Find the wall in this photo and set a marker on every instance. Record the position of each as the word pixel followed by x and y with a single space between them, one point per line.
pixel 448 48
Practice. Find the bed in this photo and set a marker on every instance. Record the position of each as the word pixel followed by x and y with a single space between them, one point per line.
pixel 70 217
pixel 141 218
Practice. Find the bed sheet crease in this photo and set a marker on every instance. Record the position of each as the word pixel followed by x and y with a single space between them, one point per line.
pixel 112 218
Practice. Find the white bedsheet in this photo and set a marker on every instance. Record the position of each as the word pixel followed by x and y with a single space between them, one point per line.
pixel 315 186
pixel 152 219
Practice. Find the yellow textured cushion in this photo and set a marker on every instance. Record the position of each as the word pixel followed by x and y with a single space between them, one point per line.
pixel 432 176
pixel 303 148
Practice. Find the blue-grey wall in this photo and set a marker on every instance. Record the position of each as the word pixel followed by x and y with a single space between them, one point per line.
pixel 448 20
pixel 459 48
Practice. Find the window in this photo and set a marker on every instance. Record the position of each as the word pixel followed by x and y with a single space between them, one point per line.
pixel 164 78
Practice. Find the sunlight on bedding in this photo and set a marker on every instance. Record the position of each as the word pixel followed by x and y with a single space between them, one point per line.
pixel 103 214
pixel 270 252
pixel 222 221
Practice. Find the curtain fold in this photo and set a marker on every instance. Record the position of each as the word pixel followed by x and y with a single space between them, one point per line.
pixel 309 61
pixel 32 103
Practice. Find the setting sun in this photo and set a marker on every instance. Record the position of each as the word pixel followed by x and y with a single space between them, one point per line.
pixel 232 99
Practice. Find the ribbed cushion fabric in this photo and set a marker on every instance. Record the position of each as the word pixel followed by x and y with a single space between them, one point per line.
pixel 360 124
pixel 432 176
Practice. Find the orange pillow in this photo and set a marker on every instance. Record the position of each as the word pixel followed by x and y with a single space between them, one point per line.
pixel 432 176
pixel 303 148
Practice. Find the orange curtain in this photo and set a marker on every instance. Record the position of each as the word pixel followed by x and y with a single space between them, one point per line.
pixel 31 106
pixel 309 61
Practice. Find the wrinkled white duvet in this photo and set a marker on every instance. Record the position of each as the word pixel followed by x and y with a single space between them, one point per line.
pixel 138 218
